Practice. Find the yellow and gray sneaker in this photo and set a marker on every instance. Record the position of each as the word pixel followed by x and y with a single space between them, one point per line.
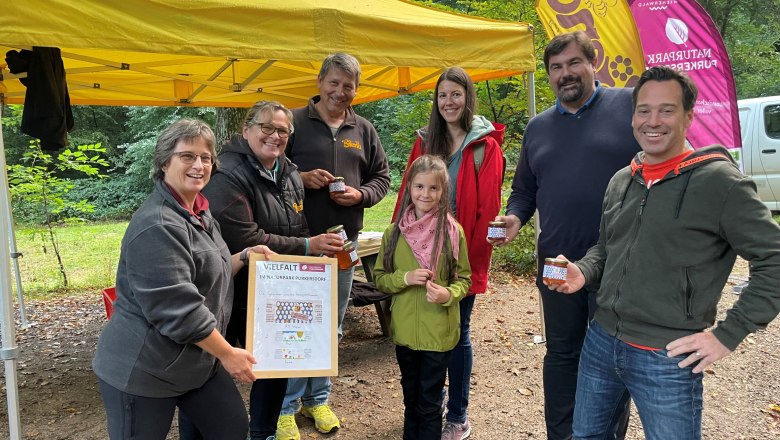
pixel 286 428
pixel 324 419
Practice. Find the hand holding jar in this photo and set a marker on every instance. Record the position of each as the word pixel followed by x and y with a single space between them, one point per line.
pixel 568 279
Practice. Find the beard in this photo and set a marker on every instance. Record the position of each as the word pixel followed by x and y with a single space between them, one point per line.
pixel 570 95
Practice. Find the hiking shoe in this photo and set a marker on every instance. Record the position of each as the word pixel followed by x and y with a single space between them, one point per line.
pixel 456 431
pixel 286 429
pixel 324 419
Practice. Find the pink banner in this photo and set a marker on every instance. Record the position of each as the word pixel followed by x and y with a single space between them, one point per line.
pixel 680 34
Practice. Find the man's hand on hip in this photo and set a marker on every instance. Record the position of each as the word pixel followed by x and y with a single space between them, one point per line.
pixel 703 347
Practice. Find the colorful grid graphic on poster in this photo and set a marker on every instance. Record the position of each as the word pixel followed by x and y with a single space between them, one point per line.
pixel 292 319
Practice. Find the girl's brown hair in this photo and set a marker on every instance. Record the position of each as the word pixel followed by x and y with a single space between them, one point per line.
pixel 426 164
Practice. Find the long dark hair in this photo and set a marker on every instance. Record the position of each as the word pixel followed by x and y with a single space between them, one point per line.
pixel 426 164
pixel 437 140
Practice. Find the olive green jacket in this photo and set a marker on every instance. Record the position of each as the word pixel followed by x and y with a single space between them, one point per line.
pixel 664 254
pixel 415 322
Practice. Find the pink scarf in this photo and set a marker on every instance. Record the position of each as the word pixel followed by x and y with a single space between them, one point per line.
pixel 420 233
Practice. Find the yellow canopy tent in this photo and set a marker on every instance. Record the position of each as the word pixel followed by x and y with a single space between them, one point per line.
pixel 232 53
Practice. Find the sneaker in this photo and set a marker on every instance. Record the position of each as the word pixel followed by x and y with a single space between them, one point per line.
pixel 456 431
pixel 286 429
pixel 324 419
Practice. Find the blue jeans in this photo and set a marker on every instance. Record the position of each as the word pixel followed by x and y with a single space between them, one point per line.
pixel 313 391
pixel 667 397
pixel 459 369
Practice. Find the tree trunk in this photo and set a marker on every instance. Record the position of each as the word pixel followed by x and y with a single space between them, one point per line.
pixel 229 121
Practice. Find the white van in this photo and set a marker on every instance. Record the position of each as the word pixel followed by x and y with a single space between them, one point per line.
pixel 759 119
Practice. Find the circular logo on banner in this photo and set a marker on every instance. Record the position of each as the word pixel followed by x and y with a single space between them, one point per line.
pixel 676 31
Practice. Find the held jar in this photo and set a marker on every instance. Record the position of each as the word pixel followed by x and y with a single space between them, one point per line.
pixel 347 256
pixel 337 185
pixel 338 229
pixel 554 270
pixel 496 231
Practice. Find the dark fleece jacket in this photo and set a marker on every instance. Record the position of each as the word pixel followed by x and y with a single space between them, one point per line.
pixel 664 253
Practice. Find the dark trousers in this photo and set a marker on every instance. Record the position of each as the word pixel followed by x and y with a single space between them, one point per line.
pixel 422 379
pixel 265 403
pixel 216 409
pixel 566 320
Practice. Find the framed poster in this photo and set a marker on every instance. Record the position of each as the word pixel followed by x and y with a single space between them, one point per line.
pixel 292 316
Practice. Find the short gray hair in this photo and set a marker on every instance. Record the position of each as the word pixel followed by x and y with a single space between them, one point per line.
pixel 266 109
pixel 185 130
pixel 342 61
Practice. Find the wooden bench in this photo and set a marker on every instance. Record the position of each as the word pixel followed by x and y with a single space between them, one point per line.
pixel 368 249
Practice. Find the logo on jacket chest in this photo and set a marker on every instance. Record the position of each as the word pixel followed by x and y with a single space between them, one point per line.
pixel 348 143
pixel 298 207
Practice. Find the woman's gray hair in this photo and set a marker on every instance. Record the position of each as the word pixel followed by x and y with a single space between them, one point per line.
pixel 266 109
pixel 185 130
pixel 344 62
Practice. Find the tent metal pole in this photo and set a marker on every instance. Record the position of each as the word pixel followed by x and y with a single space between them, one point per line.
pixel 537 230
pixel 9 352
pixel 15 254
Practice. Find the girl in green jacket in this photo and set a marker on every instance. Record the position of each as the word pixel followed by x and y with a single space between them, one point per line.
pixel 424 264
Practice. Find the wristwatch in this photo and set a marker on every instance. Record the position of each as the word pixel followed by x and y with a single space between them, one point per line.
pixel 244 256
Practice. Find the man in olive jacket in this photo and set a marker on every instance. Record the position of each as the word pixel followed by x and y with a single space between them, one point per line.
pixel 672 225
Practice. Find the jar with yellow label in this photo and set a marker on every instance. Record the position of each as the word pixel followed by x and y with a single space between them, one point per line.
pixel 347 256
pixel 554 271
pixel 337 185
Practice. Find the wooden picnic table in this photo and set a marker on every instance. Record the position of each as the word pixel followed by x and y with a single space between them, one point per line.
pixel 368 249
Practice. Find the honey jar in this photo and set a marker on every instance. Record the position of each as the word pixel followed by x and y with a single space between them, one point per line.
pixel 337 185
pixel 338 229
pixel 554 270
pixel 496 231
pixel 347 256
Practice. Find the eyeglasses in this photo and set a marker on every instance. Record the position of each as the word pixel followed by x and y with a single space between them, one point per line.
pixel 270 129
pixel 189 158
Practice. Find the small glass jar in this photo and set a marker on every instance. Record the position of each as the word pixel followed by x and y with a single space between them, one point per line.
pixel 338 229
pixel 337 185
pixel 554 271
pixel 496 231
pixel 347 256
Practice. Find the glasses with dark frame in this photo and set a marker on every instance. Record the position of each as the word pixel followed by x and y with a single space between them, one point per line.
pixel 270 129
pixel 189 158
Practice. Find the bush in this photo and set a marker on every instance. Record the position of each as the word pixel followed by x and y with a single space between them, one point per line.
pixel 116 198
pixel 519 256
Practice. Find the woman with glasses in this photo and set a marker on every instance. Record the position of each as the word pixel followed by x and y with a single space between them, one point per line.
pixel 257 198
pixel 163 347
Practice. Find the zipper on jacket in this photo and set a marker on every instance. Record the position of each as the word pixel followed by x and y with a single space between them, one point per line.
pixel 689 289
pixel 642 204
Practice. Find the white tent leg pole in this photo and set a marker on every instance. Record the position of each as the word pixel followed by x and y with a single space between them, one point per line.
pixel 15 254
pixel 537 229
pixel 9 352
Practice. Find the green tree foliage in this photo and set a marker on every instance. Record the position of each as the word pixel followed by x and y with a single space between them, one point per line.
pixel 39 185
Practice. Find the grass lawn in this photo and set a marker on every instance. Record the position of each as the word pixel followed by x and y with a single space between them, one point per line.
pixel 90 252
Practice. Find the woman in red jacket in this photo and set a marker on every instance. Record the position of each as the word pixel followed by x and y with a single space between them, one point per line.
pixel 471 147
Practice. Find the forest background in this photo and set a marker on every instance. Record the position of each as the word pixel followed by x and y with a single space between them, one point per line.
pixel 104 176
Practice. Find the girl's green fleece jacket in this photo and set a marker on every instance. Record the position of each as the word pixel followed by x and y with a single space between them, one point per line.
pixel 415 322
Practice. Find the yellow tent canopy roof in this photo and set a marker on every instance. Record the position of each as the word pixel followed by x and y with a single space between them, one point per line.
pixel 232 53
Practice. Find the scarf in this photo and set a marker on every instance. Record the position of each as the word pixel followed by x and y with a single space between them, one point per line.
pixel 420 233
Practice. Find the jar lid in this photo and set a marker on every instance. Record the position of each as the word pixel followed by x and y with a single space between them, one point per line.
pixel 338 179
pixel 555 261
pixel 497 224
pixel 347 245
pixel 334 229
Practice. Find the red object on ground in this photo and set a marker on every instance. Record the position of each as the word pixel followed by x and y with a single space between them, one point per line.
pixel 109 295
